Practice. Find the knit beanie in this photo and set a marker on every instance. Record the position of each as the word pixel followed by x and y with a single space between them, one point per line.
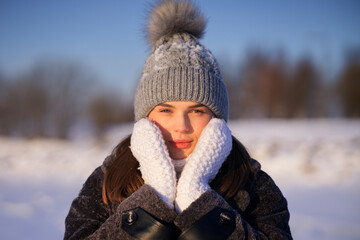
pixel 179 67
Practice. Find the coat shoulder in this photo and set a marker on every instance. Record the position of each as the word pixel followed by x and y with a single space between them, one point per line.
pixel 93 184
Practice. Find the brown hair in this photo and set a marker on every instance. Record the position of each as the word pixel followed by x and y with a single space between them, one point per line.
pixel 122 177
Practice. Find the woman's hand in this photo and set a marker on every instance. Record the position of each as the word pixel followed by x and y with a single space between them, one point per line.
pixel 148 147
pixel 211 150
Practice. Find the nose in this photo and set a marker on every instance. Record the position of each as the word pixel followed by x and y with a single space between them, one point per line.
pixel 182 124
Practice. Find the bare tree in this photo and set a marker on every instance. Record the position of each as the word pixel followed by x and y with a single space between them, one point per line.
pixel 262 83
pixel 67 85
pixel 5 121
pixel 107 109
pixel 272 89
pixel 233 87
pixel 267 87
pixel 349 86
pixel 23 106
pixel 304 90
pixel 248 81
pixel 43 101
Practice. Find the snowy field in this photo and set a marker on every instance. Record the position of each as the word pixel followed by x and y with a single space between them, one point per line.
pixel 316 163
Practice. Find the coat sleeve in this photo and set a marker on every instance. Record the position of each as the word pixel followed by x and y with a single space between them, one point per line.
pixel 264 214
pixel 90 218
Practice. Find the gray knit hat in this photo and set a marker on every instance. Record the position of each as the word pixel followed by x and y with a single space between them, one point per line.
pixel 179 68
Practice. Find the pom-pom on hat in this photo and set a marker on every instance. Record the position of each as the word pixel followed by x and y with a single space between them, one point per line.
pixel 179 68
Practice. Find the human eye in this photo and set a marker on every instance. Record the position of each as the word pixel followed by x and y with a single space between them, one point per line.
pixel 165 110
pixel 198 111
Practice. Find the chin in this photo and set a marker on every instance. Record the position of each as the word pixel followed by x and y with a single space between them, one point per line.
pixel 178 156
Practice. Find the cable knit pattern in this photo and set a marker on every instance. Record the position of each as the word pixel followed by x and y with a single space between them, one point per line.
pixel 148 147
pixel 203 164
pixel 179 67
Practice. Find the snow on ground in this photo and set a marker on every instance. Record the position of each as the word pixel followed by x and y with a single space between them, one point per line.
pixel 316 163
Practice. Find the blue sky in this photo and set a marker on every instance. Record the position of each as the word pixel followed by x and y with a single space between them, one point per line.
pixel 107 38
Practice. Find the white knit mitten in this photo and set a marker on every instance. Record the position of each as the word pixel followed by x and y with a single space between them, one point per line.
pixel 148 147
pixel 211 150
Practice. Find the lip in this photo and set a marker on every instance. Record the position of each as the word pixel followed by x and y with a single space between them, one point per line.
pixel 180 143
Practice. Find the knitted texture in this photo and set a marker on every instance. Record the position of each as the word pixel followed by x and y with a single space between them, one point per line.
pixel 213 147
pixel 148 147
pixel 179 68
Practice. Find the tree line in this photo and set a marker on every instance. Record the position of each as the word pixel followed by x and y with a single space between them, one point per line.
pixel 53 96
pixel 265 86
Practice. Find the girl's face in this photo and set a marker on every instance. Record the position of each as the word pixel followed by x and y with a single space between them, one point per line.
pixel 181 124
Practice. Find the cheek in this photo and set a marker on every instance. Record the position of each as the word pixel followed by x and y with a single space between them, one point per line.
pixel 162 125
pixel 164 131
pixel 200 125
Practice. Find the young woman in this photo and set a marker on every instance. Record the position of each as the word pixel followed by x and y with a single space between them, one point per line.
pixel 181 174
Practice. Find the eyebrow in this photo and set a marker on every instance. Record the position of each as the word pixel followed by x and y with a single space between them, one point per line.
pixel 171 106
pixel 197 105
pixel 166 105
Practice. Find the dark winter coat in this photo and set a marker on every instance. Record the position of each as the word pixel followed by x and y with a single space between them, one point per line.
pixel 257 212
